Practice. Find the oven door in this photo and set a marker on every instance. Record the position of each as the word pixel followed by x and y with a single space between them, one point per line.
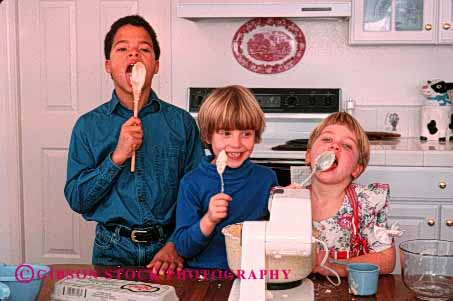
pixel 282 167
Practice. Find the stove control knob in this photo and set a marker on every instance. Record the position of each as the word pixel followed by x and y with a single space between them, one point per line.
pixel 328 101
pixel 199 100
pixel 291 101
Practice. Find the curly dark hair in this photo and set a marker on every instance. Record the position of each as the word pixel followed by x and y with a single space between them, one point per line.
pixel 134 20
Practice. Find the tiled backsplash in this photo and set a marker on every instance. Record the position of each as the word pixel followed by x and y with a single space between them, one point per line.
pixel 378 118
pixel 371 117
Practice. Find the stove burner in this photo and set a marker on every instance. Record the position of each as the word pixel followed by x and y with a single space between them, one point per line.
pixel 292 145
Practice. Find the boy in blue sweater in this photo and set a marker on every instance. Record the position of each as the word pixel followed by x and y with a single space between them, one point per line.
pixel 230 119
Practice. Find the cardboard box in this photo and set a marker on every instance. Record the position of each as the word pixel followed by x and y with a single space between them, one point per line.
pixel 106 289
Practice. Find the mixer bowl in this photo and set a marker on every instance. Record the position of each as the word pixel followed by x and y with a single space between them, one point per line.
pixel 299 266
pixel 427 268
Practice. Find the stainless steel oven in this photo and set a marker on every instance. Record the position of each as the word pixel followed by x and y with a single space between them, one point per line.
pixel 287 110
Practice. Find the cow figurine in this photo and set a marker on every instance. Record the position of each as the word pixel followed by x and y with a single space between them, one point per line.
pixel 436 115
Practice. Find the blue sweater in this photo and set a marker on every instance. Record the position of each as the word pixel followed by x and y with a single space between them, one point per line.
pixel 248 186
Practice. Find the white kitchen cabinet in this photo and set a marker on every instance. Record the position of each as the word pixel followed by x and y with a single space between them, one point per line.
pixel 446 222
pixel 401 22
pixel 413 183
pixel 421 200
pixel 421 221
pixel 446 22
pixel 417 221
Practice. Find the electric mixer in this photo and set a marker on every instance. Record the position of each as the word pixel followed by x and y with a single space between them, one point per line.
pixel 283 244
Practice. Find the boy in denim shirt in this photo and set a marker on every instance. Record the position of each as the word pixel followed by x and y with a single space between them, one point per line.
pixel 135 211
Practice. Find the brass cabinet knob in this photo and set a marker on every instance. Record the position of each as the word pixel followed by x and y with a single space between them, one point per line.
pixel 446 26
pixel 442 184
pixel 428 27
pixel 431 222
pixel 449 223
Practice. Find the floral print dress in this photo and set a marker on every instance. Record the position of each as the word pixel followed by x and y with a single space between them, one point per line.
pixel 336 231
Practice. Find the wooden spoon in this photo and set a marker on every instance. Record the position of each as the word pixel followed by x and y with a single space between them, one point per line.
pixel 137 80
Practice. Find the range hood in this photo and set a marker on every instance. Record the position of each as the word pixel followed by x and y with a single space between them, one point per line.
pixel 303 9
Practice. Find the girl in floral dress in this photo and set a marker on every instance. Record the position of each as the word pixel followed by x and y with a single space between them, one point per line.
pixel 350 218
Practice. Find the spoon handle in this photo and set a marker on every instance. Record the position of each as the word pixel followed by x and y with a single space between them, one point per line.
pixel 307 179
pixel 136 98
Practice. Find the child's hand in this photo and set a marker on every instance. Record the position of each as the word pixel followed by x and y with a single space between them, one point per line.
pixel 218 207
pixel 130 139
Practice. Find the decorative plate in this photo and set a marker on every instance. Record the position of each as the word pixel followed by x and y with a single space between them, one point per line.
pixel 268 45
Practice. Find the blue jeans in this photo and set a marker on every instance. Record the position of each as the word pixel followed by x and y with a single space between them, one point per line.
pixel 112 249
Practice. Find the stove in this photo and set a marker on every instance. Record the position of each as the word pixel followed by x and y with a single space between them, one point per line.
pixel 292 145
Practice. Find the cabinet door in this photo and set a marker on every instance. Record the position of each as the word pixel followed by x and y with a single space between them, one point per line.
pixel 393 22
pixel 446 22
pixel 446 222
pixel 417 221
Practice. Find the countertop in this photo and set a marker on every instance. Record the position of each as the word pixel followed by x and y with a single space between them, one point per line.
pixel 397 152
pixel 390 287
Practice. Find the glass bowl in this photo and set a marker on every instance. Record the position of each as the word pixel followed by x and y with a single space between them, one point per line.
pixel 427 268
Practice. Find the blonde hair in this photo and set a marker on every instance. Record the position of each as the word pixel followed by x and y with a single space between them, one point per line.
pixel 230 108
pixel 343 118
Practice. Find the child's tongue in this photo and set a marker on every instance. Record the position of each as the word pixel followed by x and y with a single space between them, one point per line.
pixel 128 79
pixel 334 165
pixel 128 74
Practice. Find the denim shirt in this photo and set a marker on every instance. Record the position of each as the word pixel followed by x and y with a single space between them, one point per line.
pixel 104 192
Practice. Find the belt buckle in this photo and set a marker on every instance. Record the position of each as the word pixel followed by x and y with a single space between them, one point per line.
pixel 133 235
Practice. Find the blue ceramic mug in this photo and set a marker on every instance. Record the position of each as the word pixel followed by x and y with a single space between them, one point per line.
pixel 363 278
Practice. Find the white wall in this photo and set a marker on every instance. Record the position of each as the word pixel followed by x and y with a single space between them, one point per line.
pixel 384 75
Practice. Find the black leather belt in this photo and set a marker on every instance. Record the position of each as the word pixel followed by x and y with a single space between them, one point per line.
pixel 147 234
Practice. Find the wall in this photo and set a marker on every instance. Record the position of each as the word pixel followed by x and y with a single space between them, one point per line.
pixel 10 195
pixel 371 75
